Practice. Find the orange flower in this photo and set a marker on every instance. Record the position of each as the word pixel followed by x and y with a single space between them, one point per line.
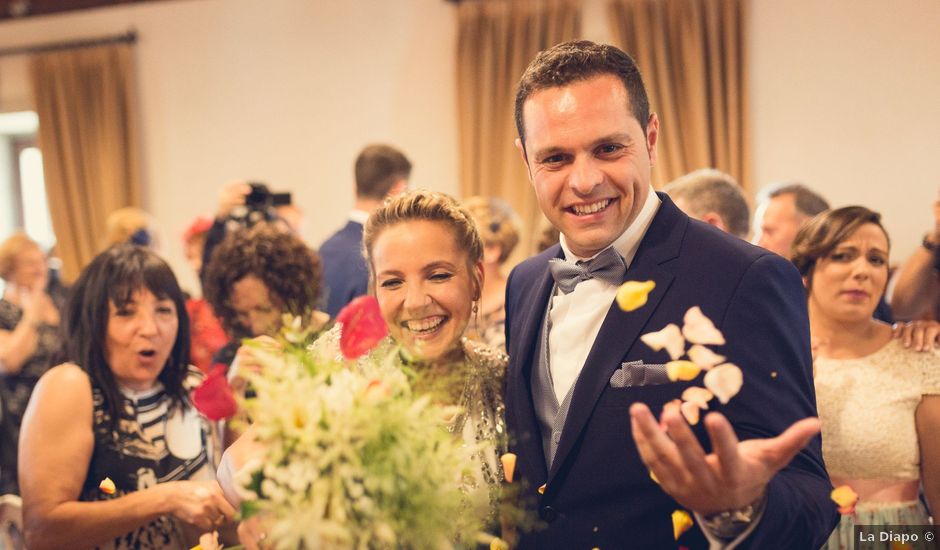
pixel 107 486
pixel 633 294
pixel 681 522
pixel 846 498
pixel 509 465
pixel 682 370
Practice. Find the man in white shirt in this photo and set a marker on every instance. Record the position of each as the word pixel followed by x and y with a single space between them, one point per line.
pixel 582 389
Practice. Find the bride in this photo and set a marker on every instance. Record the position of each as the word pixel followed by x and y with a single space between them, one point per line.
pixel 425 259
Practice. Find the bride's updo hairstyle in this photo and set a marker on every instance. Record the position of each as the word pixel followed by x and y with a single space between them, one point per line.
pixel 424 205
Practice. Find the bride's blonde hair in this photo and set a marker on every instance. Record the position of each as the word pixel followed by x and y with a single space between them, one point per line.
pixel 424 205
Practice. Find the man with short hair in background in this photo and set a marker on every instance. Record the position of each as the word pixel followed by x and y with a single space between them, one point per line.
pixel 382 171
pixel 782 209
pixel 714 197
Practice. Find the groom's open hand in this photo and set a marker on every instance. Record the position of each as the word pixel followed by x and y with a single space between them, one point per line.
pixel 734 475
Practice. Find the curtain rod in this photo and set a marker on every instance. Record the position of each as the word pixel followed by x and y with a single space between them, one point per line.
pixel 129 37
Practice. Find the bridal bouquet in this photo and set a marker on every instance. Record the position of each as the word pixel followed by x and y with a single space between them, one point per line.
pixel 353 457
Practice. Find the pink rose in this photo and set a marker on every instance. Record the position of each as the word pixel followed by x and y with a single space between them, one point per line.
pixel 363 326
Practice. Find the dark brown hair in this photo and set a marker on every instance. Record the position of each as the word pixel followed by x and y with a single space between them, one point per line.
pixel 818 238
pixel 278 258
pixel 576 61
pixel 378 169
pixel 112 278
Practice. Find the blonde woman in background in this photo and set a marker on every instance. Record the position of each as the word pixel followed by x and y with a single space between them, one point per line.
pixel 498 226
pixel 129 225
pixel 30 341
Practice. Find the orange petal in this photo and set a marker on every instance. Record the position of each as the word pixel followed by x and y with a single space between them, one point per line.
pixel 690 410
pixel 724 381
pixel 107 486
pixel 498 544
pixel 542 489
pixel 699 329
pixel 633 294
pixel 681 522
pixel 509 465
pixel 846 498
pixel 670 337
pixel 653 477
pixel 704 357
pixel 682 370
pixel 697 395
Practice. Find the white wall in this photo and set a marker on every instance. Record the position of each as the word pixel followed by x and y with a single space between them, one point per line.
pixel 845 97
pixel 285 91
pixel 843 93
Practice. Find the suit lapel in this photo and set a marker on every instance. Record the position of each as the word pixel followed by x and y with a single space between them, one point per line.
pixel 621 329
pixel 534 305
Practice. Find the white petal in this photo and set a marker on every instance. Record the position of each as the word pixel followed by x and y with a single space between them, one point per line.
pixel 724 381
pixel 690 410
pixel 704 357
pixel 697 395
pixel 699 329
pixel 670 337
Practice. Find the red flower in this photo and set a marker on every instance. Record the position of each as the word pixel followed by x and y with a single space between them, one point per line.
pixel 363 326
pixel 214 398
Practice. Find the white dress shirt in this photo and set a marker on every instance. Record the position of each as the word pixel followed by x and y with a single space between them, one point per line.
pixel 359 216
pixel 576 318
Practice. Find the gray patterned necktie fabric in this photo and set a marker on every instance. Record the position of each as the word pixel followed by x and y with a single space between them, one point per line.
pixel 606 266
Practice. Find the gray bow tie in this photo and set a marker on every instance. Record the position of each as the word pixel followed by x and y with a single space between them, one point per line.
pixel 606 266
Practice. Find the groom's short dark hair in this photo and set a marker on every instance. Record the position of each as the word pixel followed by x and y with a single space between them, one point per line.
pixel 581 60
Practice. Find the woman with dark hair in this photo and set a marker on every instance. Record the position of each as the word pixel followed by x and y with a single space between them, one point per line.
pixel 112 453
pixel 879 402
pixel 255 277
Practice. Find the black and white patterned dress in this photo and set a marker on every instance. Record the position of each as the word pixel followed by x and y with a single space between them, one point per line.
pixel 151 445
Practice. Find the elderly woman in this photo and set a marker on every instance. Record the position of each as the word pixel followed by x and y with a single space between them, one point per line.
pixel 879 401
pixel 112 453
pixel 29 341
pixel 255 277
pixel 498 226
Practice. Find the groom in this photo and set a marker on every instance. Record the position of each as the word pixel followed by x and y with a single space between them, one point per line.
pixel 582 390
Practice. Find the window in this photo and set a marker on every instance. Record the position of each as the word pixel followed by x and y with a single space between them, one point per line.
pixel 23 202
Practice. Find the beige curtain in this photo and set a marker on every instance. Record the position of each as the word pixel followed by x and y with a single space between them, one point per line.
pixel 85 99
pixel 496 41
pixel 692 56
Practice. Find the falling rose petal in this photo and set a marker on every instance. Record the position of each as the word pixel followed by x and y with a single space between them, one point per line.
pixel 209 541
pixel 509 465
pixel 681 522
pixel 845 498
pixel 362 327
pixel 498 544
pixel 699 329
pixel 653 477
pixel 682 370
pixel 542 489
pixel 107 486
pixel 670 337
pixel 633 294
pixel 724 381
pixel 697 395
pixel 690 410
pixel 214 397
pixel 704 357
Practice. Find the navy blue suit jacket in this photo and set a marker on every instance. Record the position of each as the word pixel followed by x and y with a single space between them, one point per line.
pixel 599 493
pixel 345 274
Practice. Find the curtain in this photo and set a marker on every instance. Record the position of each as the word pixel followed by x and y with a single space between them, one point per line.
pixel 692 56
pixel 496 41
pixel 86 102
